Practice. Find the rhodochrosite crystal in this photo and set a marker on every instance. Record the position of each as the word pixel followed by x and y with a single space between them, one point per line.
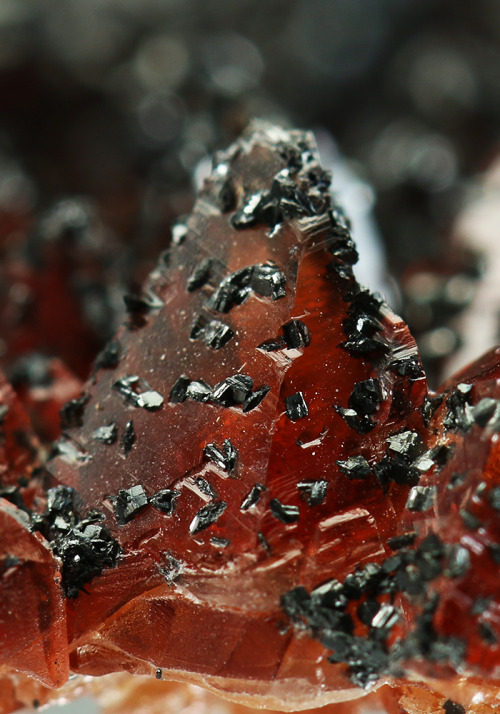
pixel 33 636
pixel 256 491
pixel 56 286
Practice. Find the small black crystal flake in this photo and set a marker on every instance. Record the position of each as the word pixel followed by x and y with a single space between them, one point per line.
pixel 313 492
pixel 284 512
pixel 213 332
pixel 421 498
pixel 296 334
pixel 226 457
pixel 200 275
pixel 355 467
pixel 128 437
pixel 254 398
pixel 129 388
pixel 165 500
pixel 234 391
pixel 72 412
pixel 206 487
pixel 206 516
pixel 106 434
pixel 109 357
pixel 296 406
pixel 128 503
pixel 253 497
pixel 264 279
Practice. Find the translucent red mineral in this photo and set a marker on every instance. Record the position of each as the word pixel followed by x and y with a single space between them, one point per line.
pixel 33 637
pixel 255 491
pixel 56 287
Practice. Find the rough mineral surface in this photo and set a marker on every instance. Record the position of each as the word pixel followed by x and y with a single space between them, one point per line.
pixel 255 491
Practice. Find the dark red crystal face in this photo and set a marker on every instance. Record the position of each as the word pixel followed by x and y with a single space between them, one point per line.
pixel 32 615
pixel 19 455
pixel 44 385
pixel 255 489
pixel 33 636
pixel 57 283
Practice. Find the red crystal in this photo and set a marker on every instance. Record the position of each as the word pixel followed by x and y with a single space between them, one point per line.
pixel 287 514
pixel 210 542
pixel 44 397
pixel 53 287
pixel 33 635
pixel 32 613
pixel 18 447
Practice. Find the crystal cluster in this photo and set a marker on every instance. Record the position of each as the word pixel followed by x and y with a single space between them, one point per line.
pixel 255 490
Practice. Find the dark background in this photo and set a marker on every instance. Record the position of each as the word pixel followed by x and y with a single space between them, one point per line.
pixel 118 100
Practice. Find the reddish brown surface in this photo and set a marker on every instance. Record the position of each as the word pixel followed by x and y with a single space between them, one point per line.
pixel 32 612
pixel 211 615
pixel 476 457
pixel 44 401
pixel 45 274
pixel 236 591
pixel 18 445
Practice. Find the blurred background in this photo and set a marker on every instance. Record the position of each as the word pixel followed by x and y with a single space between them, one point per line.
pixel 109 108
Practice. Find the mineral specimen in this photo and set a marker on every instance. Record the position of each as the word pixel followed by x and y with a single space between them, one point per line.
pixel 256 490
